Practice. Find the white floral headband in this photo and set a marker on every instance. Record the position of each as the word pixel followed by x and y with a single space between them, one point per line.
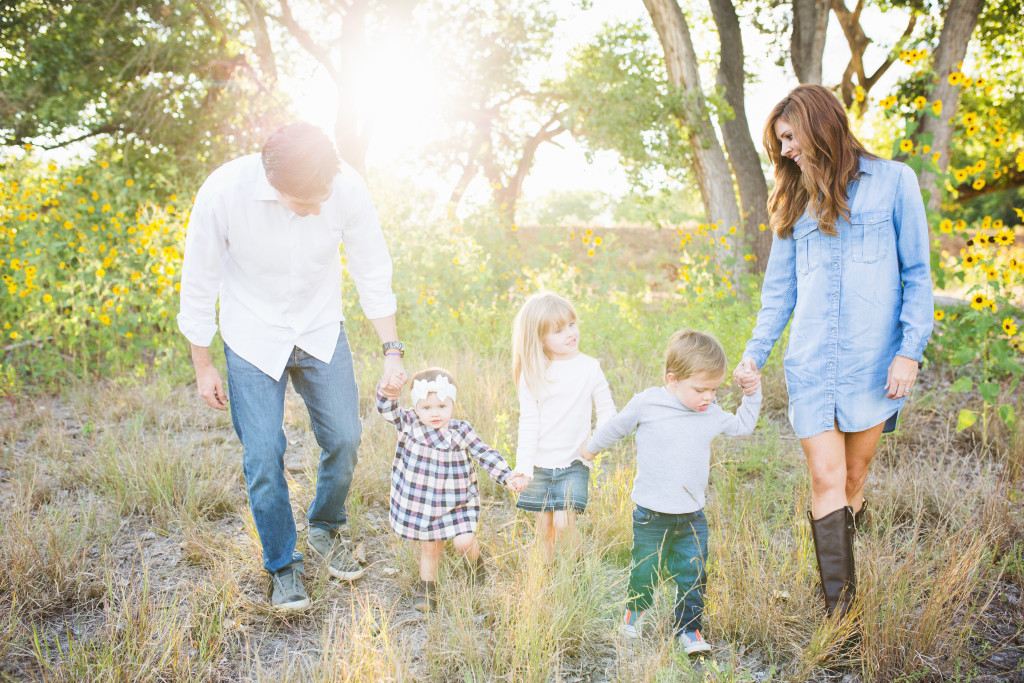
pixel 439 385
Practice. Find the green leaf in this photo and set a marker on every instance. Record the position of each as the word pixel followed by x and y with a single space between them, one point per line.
pixel 962 384
pixel 965 419
pixel 965 355
pixel 1007 415
pixel 989 391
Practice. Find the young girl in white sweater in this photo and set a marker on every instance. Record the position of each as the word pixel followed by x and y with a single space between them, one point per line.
pixel 559 387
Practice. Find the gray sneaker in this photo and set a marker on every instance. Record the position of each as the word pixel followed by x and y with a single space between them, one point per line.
pixel 286 589
pixel 332 548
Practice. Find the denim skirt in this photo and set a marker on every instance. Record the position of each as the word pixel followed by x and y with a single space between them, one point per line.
pixel 557 490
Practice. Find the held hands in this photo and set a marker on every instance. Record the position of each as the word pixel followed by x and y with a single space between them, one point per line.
pixel 747 376
pixel 517 482
pixel 901 378
pixel 394 377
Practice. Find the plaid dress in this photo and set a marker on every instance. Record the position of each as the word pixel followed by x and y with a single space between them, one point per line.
pixel 434 490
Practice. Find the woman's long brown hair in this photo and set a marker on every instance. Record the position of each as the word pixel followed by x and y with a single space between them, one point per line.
pixel 830 155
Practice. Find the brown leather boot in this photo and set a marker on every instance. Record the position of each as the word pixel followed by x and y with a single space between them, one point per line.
pixel 833 546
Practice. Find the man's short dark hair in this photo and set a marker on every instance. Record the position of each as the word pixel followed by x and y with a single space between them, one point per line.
pixel 300 160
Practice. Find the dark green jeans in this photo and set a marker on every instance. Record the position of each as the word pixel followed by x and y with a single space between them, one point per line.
pixel 675 546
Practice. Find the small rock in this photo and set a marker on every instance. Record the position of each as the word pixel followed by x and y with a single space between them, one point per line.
pixel 300 524
pixel 780 595
pixel 388 571
pixel 360 554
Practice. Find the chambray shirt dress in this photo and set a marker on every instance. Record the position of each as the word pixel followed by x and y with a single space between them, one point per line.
pixel 857 299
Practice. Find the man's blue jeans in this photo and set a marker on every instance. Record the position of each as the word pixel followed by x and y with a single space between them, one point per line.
pixel 675 546
pixel 257 412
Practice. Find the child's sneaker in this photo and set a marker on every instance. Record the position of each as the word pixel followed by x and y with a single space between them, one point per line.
pixel 693 642
pixel 630 626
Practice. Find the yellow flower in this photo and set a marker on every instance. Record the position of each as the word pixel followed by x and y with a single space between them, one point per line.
pixel 1009 327
pixel 590 252
pixel 956 78
pixel 946 225
pixel 970 259
pixel 129 183
pixel 100 272
pixel 939 314
pixel 972 129
pixel 95 195
pixel 998 140
pixel 104 164
pixel 960 175
pixel 978 302
pixel 937 107
pixel 970 118
pixel 978 184
pixel 598 241
pixel 920 101
pixel 960 224
pixel 888 101
pixel 47 298
pixel 906 145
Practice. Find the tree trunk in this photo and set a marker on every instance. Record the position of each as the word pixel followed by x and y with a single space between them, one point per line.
pixel 961 18
pixel 807 41
pixel 746 165
pixel 710 165
pixel 351 134
pixel 858 43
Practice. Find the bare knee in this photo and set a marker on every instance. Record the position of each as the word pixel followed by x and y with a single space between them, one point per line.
pixel 464 543
pixel 562 522
pixel 544 524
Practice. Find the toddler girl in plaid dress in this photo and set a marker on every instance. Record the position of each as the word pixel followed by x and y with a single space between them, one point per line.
pixel 434 491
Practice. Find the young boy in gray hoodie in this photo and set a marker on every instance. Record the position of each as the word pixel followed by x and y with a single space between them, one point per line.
pixel 674 426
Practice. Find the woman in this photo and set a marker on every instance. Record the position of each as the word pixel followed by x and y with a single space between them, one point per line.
pixel 850 263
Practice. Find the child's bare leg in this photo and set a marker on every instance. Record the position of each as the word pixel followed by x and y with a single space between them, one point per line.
pixel 546 535
pixel 565 533
pixel 468 547
pixel 430 559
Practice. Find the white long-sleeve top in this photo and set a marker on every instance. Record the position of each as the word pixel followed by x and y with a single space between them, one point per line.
pixel 553 426
pixel 278 274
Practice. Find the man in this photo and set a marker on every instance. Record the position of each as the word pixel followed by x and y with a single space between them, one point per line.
pixel 264 236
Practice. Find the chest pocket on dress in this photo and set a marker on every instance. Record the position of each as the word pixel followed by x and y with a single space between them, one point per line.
pixel 870 232
pixel 809 245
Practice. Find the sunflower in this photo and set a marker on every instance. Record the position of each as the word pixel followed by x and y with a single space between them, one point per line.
pixel 1009 326
pixel 978 302
pixel 939 314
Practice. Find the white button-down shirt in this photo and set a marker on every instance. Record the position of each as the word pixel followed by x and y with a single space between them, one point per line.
pixel 278 274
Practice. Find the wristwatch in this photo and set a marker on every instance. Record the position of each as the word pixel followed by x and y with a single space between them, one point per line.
pixel 396 345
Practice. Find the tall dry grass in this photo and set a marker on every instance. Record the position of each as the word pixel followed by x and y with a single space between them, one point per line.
pixel 88 475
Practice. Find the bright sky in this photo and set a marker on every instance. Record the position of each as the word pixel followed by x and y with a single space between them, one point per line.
pixel 402 87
